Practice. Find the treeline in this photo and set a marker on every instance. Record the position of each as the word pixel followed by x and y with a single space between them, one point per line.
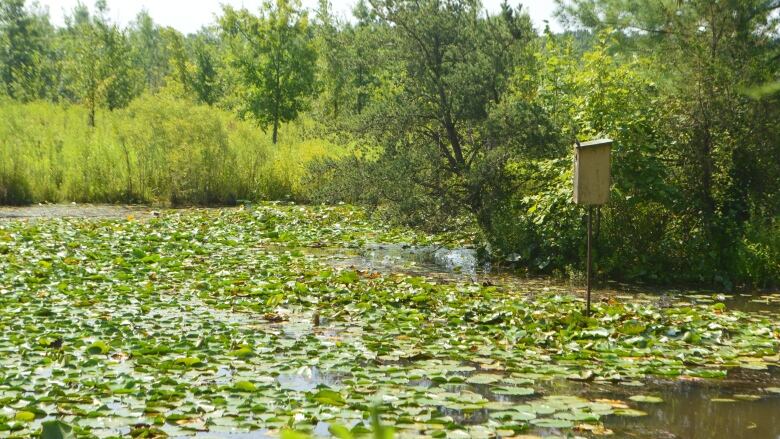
pixel 455 114
pixel 267 65
pixel 95 112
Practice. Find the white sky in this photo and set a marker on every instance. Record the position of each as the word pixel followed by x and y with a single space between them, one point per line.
pixel 189 15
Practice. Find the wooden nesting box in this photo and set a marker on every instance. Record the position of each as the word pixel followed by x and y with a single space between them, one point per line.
pixel 591 172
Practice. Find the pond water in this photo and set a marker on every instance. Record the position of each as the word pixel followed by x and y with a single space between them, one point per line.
pixel 729 408
pixel 738 406
pixel 462 265
pixel 734 407
pixel 42 211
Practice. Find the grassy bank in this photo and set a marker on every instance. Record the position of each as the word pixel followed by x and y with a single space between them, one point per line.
pixel 156 150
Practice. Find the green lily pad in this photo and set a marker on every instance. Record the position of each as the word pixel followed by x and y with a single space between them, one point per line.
pixel 56 430
pixel 514 391
pixel 190 361
pixel 25 416
pixel 632 327
pixel 630 412
pixel 646 398
pixel 98 348
pixel 241 353
pixel 245 386
pixel 483 378
pixel 552 423
pixel 329 397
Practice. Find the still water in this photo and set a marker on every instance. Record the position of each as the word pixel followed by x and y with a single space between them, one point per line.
pixel 735 407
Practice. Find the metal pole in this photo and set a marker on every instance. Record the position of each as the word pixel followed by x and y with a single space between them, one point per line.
pixel 590 230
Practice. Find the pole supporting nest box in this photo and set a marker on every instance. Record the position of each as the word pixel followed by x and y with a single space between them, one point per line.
pixel 591 186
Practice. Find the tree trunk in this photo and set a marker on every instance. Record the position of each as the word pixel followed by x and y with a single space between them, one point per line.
pixel 276 130
pixel 91 120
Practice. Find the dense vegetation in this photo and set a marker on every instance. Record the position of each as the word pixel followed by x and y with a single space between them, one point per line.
pixel 157 148
pixel 445 116
pixel 229 321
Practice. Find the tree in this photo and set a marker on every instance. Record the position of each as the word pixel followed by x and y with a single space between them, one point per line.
pixel 28 63
pixel 364 62
pixel 206 81
pixel 275 58
pixel 333 58
pixel 179 78
pixel 706 53
pixel 98 68
pixel 431 116
pixel 148 50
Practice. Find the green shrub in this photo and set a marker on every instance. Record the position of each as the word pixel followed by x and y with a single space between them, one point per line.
pixel 14 190
pixel 759 253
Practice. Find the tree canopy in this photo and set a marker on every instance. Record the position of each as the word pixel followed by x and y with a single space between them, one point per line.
pixel 457 116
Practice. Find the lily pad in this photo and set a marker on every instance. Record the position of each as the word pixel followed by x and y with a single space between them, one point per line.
pixel 630 412
pixel 98 348
pixel 513 391
pixel 56 430
pixel 552 423
pixel 245 386
pixel 483 378
pixel 329 397
pixel 646 398
pixel 25 416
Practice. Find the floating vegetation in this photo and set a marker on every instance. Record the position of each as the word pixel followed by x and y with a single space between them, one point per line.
pixel 212 321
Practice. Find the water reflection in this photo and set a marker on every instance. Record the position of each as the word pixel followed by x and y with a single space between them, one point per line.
pixel 735 407
pixel 691 409
pixel 690 412
pixel 461 265
pixel 307 379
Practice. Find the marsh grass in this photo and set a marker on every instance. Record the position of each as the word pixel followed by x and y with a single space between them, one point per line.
pixel 158 150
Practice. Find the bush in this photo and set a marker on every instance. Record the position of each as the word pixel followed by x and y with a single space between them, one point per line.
pixel 759 254
pixel 14 189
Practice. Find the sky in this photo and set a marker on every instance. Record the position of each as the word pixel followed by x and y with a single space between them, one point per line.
pixel 190 15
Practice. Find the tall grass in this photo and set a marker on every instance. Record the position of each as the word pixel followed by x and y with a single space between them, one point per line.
pixel 159 149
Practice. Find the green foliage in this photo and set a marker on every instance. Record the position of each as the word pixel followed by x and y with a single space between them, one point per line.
pixel 701 141
pixel 148 50
pixel 446 116
pixel 483 131
pixel 27 52
pixel 56 430
pixel 429 121
pixel 97 68
pixel 275 59
pixel 205 80
pixel 156 150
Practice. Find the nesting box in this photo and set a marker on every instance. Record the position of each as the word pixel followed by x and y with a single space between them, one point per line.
pixel 591 172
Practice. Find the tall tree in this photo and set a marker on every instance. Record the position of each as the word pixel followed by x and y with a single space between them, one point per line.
pixel 706 53
pixel 275 58
pixel 206 82
pixel 364 43
pixel 28 64
pixel 453 65
pixel 148 50
pixel 334 73
pixel 179 78
pixel 98 69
